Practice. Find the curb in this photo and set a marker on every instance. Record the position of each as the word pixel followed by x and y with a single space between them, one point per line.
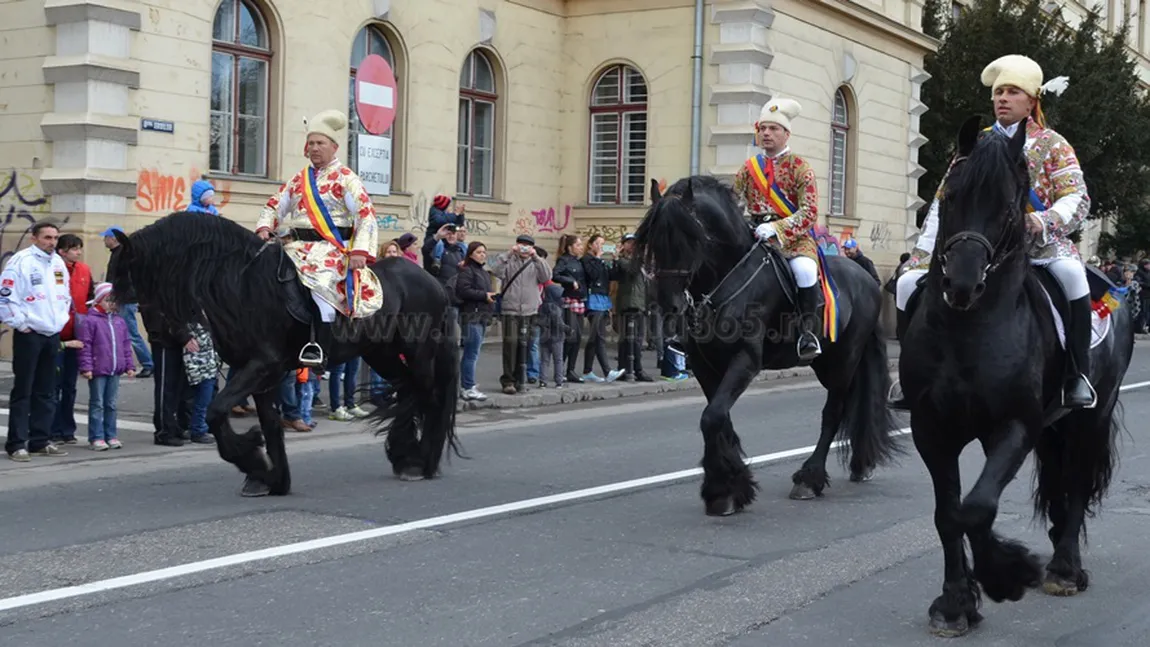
pixel 571 395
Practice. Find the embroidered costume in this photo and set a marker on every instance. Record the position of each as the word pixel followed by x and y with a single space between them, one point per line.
pixel 795 180
pixel 1058 196
pixel 332 219
pixel 781 195
pixel 1058 199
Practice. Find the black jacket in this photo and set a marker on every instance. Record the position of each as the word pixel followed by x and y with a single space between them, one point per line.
pixel 471 287
pixel 599 275
pixel 867 265
pixel 569 271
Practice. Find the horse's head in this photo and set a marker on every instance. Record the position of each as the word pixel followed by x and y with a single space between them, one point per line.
pixel 664 254
pixel 981 217
pixel 119 272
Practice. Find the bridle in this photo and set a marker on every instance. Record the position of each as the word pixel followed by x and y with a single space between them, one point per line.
pixel 996 252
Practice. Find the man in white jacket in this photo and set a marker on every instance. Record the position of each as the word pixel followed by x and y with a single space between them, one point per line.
pixel 35 301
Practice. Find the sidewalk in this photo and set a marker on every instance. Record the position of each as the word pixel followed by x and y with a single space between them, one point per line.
pixel 136 394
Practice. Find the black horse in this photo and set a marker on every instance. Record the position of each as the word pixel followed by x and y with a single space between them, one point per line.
pixel 738 296
pixel 192 267
pixel 981 360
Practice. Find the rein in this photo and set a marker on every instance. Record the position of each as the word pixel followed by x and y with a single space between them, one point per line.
pixel 708 298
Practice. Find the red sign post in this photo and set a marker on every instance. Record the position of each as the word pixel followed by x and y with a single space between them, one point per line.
pixel 375 94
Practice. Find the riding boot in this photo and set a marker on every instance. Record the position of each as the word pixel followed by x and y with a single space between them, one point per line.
pixel 1077 392
pixel 313 354
pixel 895 398
pixel 810 305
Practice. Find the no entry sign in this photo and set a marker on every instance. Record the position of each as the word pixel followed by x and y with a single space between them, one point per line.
pixel 375 94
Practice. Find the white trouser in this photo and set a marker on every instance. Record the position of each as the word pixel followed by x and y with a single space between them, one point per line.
pixel 806 271
pixel 1070 273
pixel 326 311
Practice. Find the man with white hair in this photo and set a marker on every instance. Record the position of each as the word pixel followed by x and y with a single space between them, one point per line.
pixel 335 235
pixel 1056 207
pixel 781 194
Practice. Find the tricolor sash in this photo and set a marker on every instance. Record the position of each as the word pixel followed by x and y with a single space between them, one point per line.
pixel 765 181
pixel 323 223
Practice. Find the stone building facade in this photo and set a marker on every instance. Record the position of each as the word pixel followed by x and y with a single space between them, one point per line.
pixel 542 116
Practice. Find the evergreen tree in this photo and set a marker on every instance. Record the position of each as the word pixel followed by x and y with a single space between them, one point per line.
pixel 1103 113
pixel 932 18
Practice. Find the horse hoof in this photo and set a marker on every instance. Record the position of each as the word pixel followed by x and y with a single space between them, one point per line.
pixel 254 488
pixel 1059 586
pixel 410 474
pixel 722 507
pixel 939 626
pixel 862 478
pixel 802 492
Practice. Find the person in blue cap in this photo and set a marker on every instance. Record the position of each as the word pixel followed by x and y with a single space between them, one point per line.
pixel 128 310
pixel 851 250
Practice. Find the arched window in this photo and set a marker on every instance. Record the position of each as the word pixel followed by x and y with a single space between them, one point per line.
pixel 370 40
pixel 241 58
pixel 477 102
pixel 840 154
pixel 618 158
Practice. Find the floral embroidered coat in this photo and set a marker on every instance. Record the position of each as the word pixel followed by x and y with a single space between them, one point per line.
pixel 322 267
pixel 1056 178
pixel 796 179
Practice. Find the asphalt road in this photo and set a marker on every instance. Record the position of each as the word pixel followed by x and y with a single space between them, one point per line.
pixel 632 562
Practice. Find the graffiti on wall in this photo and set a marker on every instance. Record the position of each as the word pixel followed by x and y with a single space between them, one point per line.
pixel 880 236
pixel 829 243
pixel 611 233
pixel 419 213
pixel 543 221
pixel 158 192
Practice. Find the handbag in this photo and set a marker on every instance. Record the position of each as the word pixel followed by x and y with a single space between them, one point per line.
pixel 499 297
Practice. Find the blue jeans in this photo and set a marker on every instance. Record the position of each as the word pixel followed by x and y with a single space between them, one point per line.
pixel 289 403
pixel 128 312
pixel 204 392
pixel 533 355
pixel 343 375
pixel 103 391
pixel 306 392
pixel 377 386
pixel 67 373
pixel 472 341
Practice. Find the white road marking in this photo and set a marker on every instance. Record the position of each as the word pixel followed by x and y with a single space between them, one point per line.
pixel 273 552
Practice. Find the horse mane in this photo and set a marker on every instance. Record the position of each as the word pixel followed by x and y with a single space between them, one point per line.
pixel 698 218
pixel 981 179
pixel 192 266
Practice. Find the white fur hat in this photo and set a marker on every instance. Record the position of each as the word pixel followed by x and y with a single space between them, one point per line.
pixel 328 123
pixel 1019 71
pixel 781 112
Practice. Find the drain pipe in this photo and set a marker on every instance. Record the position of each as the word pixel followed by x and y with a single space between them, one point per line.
pixel 697 90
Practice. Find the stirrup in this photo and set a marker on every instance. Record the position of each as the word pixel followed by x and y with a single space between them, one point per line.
pixel 1093 393
pixel 818 350
pixel 313 360
pixel 899 403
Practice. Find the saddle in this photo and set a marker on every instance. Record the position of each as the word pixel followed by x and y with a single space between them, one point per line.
pixel 297 298
pixel 777 261
pixel 1097 281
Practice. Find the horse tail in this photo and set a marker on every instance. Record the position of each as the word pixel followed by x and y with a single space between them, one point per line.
pixel 867 422
pixel 441 402
pixel 1076 459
